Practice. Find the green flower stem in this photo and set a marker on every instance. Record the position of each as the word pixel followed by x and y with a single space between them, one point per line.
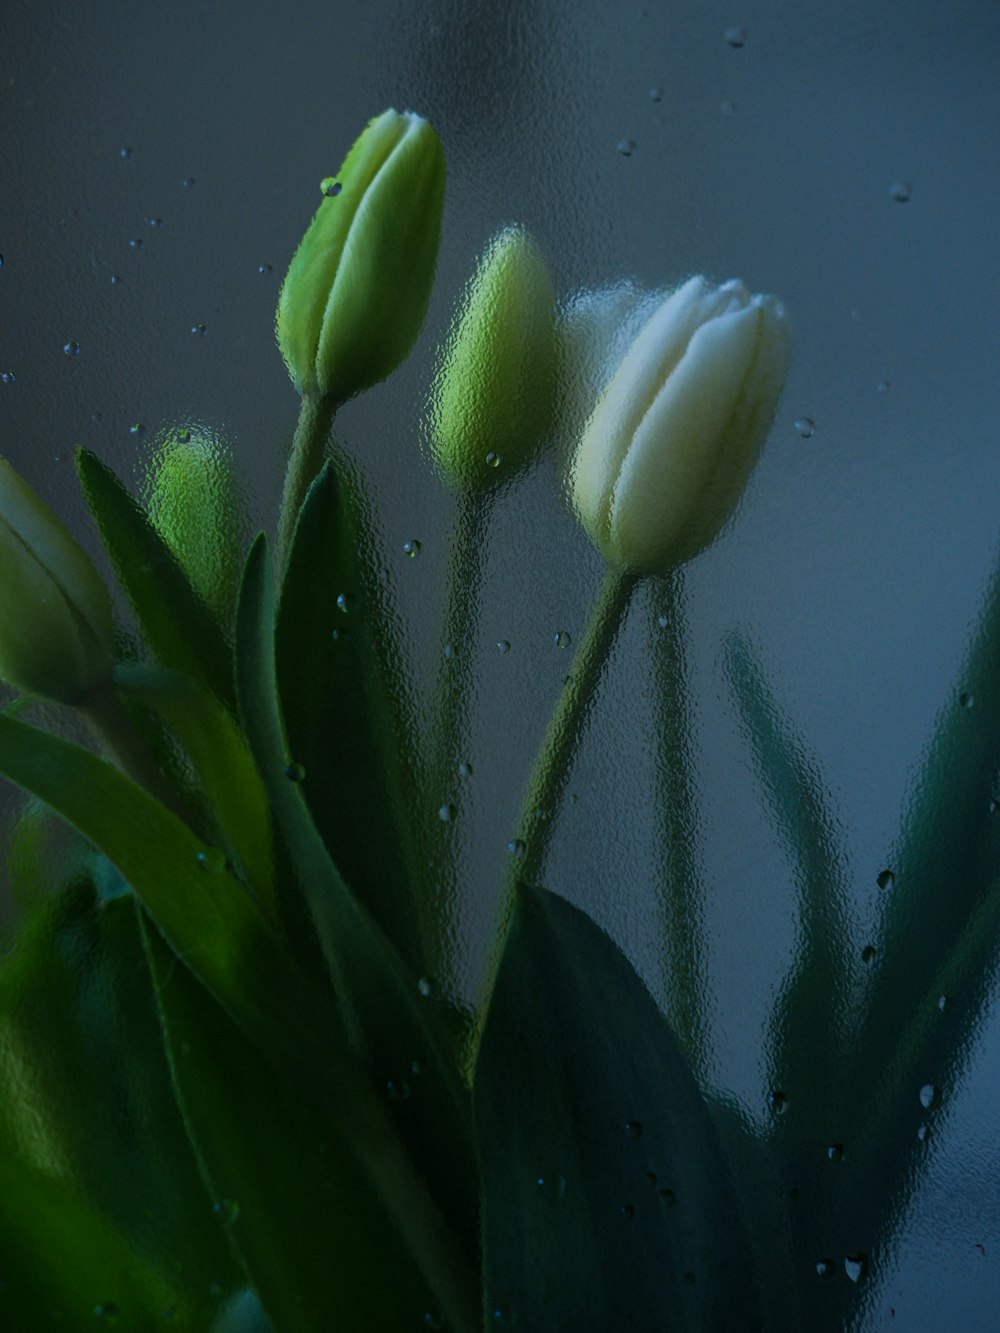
pixel 308 447
pixel 676 815
pixel 122 742
pixel 552 766
pixel 455 683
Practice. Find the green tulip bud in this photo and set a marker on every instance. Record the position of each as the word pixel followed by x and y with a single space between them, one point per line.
pixel 196 506
pixel 56 623
pixel 357 288
pixel 667 451
pixel 493 393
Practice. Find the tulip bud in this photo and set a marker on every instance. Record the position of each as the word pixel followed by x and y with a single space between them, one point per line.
pixel 493 393
pixel 357 288
pixel 56 624
pixel 195 505
pixel 667 451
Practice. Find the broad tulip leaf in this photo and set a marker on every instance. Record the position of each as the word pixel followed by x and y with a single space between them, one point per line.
pixel 393 1026
pixel 89 1120
pixel 318 1246
pixel 180 629
pixel 337 712
pixel 608 1203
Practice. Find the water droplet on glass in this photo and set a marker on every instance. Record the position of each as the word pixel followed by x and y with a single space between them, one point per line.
pixel 398 1089
pixel 425 987
pixel 551 1187
pixel 107 1311
pixel 346 602
pixel 923 1134
pixel 628 1210
pixel 994 806
pixel 965 700
pixel 198 330
pixel 689 1279
pixel 855 1266
pixel 736 37
pixel 137 428
pixel 265 268
pixel 116 280
pixel 184 437
pixel 295 772
pixel 668 1198
pixel 633 1129
pixel 227 1209
pixel 835 1152
pixel 824 1268
pixel 499 1315
pixel 431 1320
pixel 944 1003
pixel 71 349
pixel 901 191
pixel 728 107
pixel 330 186
pixel 980 1249
pixel 449 651
pixel 124 152
pixel 515 847
pixel 626 147
pixel 883 386
pixel 155 222
pixel 503 646
pixel 929 1096
pixel 338 634
pixel 136 243
pixel 465 769
pixel 656 94
pixel 663 620
pixel 777 1101
pixel 1 261
pixel 446 813
pixel 493 459
pixel 562 639
pixel 886 879
pixel 187 182
pixel 806 427
pixel 412 548
pixel 8 377
pixel 869 953
pixel 212 860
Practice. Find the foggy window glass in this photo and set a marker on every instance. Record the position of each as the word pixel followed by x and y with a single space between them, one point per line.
pixel 159 166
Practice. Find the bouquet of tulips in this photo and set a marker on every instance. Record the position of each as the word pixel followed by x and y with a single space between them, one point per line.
pixel 239 1088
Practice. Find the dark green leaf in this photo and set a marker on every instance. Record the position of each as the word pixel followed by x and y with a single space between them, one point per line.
pixel 393 1026
pixel 87 1102
pixel 607 1200
pixel 181 631
pixel 319 1247
pixel 338 713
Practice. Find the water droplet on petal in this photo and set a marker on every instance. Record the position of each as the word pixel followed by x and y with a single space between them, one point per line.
pixel 806 427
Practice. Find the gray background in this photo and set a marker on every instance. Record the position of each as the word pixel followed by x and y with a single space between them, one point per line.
pixel 860 555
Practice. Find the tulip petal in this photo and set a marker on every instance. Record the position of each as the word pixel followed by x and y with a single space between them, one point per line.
pixel 668 472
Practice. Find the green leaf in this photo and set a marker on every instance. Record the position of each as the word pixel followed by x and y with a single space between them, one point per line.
pixel 214 927
pixel 809 1031
pixel 607 1200
pixel 86 1102
pixel 235 799
pixel 318 1245
pixel 393 1027
pixel 181 631
pixel 338 717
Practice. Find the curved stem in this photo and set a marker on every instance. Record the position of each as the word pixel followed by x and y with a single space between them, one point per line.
pixel 308 447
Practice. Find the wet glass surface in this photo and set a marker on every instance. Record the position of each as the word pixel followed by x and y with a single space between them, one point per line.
pixel 159 166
